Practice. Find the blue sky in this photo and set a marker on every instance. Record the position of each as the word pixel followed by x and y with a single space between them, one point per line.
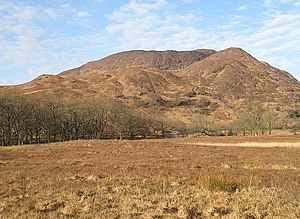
pixel 50 36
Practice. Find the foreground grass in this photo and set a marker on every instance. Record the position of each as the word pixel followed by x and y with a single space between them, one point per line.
pixel 155 197
pixel 179 178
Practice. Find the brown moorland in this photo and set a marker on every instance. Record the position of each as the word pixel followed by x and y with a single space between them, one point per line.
pixel 208 177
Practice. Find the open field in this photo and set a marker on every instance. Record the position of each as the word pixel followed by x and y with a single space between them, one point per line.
pixel 211 177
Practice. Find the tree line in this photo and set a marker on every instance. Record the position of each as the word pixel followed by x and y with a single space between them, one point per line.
pixel 257 120
pixel 29 120
pixel 253 120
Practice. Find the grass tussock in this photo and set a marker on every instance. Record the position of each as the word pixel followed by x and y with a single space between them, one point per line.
pixel 220 184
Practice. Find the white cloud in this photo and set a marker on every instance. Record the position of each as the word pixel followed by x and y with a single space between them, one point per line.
pixel 140 8
pixel 191 1
pixel 139 25
pixel 274 3
pixel 51 13
pixel 82 14
pixel 242 8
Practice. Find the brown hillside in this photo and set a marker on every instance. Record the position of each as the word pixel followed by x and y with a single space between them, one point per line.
pixel 183 84
pixel 235 77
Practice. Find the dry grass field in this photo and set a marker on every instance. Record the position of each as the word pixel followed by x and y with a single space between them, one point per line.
pixel 211 177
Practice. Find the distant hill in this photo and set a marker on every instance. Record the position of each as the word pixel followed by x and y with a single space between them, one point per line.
pixel 182 84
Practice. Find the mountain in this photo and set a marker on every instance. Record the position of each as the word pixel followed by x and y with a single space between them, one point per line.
pixel 182 84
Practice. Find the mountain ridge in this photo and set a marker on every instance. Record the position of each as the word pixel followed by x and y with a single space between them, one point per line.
pixel 163 60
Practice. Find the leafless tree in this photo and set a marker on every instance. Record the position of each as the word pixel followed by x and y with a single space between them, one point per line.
pixel 251 121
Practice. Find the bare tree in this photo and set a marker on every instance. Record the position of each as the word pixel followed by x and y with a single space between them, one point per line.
pixel 161 125
pixel 203 124
pixel 270 119
pixel 180 128
pixel 251 121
